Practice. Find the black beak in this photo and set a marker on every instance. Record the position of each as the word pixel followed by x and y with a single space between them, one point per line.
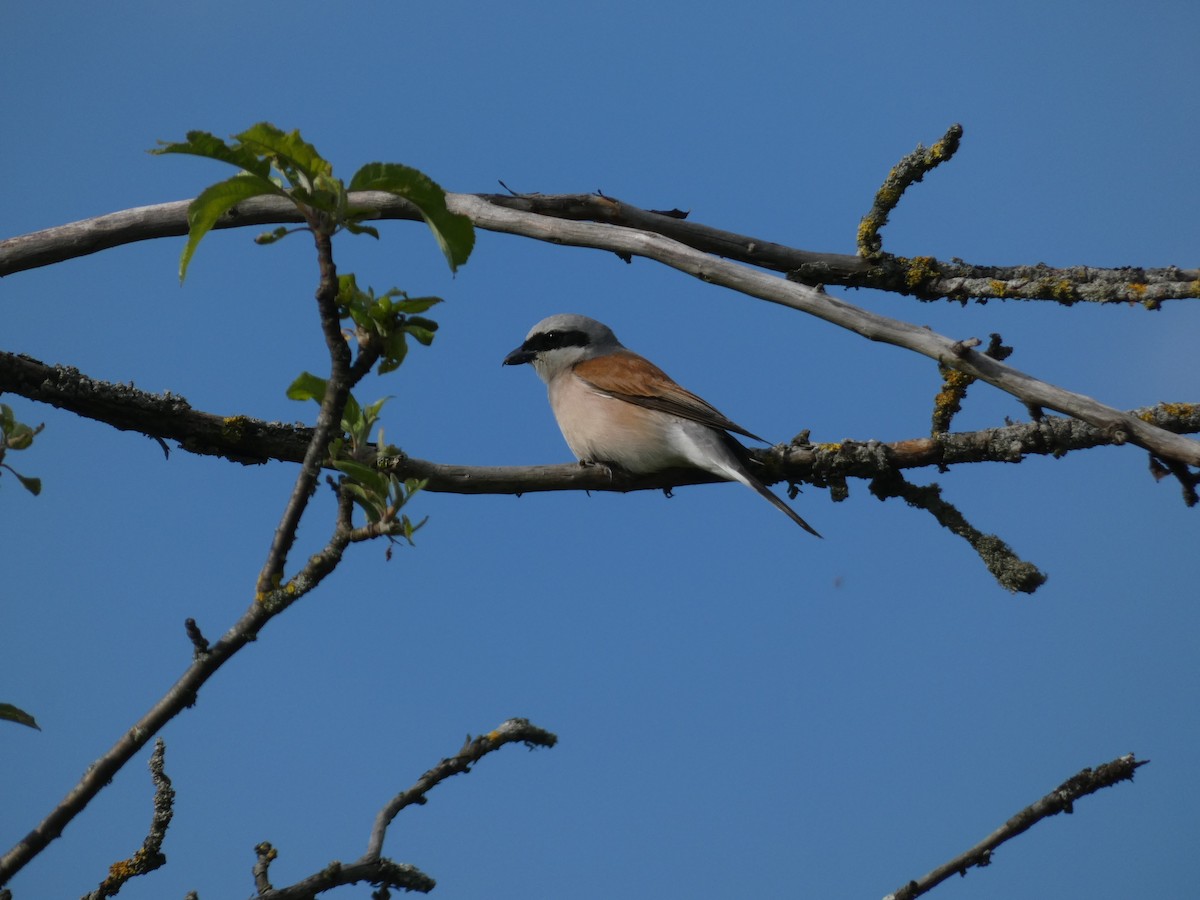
pixel 519 357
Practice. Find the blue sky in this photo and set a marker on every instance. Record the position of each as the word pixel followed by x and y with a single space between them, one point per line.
pixel 742 710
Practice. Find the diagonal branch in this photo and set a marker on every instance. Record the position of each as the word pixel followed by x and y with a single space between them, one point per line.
pixel 1060 800
pixel 922 276
pixel 374 868
pixel 1013 573
pixel 510 732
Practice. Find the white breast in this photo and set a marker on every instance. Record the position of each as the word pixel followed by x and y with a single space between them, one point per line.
pixel 600 428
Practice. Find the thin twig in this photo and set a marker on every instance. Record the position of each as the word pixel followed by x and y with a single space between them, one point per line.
pixel 949 399
pixel 1061 799
pixel 374 868
pixel 199 641
pixel 911 169
pixel 1010 571
pixel 473 750
pixel 180 696
pixel 264 855
pixel 150 856
pixel 337 389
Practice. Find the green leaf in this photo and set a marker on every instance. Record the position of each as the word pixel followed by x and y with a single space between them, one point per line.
pixel 395 348
pixel 372 411
pixel 421 330
pixel 12 714
pixel 201 143
pixel 307 386
pixel 454 233
pixel 352 419
pixel 362 229
pixel 19 436
pixel 417 304
pixel 33 485
pixel 372 479
pixel 369 505
pixel 291 153
pixel 213 202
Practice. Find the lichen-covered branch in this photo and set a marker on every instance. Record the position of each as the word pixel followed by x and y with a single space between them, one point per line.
pixel 630 242
pixel 1060 800
pixel 1010 571
pixel 928 279
pixel 383 873
pixel 922 276
pixel 246 440
pixel 150 856
pixel 911 169
pixel 949 399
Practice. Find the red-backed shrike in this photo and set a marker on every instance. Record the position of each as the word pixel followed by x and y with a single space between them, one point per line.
pixel 617 408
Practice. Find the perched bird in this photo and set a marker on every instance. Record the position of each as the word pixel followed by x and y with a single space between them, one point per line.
pixel 617 408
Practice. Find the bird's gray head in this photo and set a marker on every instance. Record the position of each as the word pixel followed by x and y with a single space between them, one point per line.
pixel 562 340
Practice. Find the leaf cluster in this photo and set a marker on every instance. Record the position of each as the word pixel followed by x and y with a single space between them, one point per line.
pixel 385 322
pixel 275 162
pixel 380 495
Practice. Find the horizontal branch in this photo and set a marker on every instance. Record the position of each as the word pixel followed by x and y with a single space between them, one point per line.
pixel 247 440
pixel 921 276
pixel 1061 799
pixel 383 873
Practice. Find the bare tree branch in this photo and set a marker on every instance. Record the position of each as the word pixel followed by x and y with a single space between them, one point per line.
pixel 328 425
pixel 372 867
pixel 381 872
pixel 1061 799
pixel 150 856
pixel 911 169
pixel 180 696
pixel 247 440
pixel 921 276
pixel 955 354
pixel 1012 573
pixel 509 732
pixel 824 465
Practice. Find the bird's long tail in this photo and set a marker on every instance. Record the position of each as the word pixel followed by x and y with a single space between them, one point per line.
pixel 751 482
pixel 718 452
